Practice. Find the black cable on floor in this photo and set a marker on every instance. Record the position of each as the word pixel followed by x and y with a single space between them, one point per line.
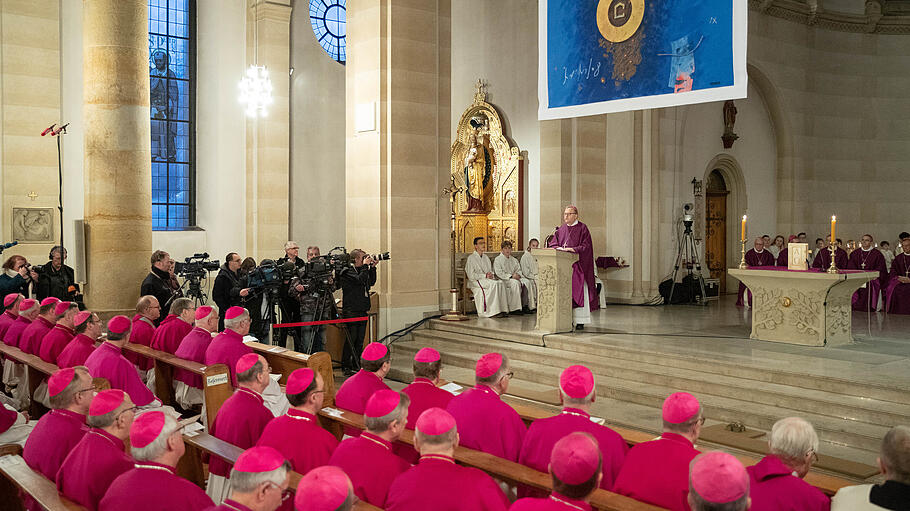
pixel 398 334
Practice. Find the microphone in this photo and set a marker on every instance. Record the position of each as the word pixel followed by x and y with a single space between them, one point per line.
pixel 49 129
pixel 8 245
pixel 58 130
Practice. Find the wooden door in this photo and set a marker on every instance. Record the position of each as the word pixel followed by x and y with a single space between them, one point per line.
pixel 716 237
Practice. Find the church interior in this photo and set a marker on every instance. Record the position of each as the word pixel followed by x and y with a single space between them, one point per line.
pixel 417 127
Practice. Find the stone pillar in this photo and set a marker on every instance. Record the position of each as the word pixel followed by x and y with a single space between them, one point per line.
pixel 556 162
pixel 118 202
pixel 591 178
pixel 397 158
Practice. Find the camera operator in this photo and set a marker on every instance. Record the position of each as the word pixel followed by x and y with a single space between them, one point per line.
pixel 355 282
pixel 56 278
pixel 252 302
pixel 228 290
pixel 312 338
pixel 17 276
pixel 311 252
pixel 158 282
pixel 290 312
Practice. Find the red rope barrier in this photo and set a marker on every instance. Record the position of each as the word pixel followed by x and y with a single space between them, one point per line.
pixel 323 322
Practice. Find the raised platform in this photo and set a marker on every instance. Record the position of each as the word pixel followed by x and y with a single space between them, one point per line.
pixel 852 394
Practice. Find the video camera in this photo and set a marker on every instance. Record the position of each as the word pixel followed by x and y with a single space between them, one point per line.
pixel 196 265
pixel 270 274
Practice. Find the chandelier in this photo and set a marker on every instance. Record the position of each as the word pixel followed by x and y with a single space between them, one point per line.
pixel 256 91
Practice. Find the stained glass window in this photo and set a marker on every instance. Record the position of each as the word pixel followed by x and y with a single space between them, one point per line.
pixel 328 18
pixel 172 102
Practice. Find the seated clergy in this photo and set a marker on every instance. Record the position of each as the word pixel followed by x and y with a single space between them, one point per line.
pixel 188 386
pixel 508 270
pixel 227 347
pixel 868 258
pixel 528 262
pixel 13 373
pixel 240 420
pixel 782 258
pixel 107 361
pixel 259 480
pixel 325 489
pixel 147 313
pixel 756 256
pixel 777 480
pixel 490 293
pixel 10 311
pixel 99 457
pixel 575 465
pixel 368 459
pixel 297 434
pixel 485 422
pixel 577 392
pixel 894 493
pixel 30 340
pixel 672 453
pixel 87 326
pixel 718 480
pixel 436 482
pixel 175 326
pixel 822 258
pixel 375 363
pixel 897 295
pixel 156 443
pixel 424 392
pixel 61 334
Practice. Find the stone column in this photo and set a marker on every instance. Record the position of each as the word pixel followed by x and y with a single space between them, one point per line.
pixel 556 162
pixel 118 202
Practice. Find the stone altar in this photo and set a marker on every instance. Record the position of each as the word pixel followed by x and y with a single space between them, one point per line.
pixel 802 307
pixel 554 289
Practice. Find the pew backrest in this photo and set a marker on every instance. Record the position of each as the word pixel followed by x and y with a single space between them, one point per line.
pixel 20 477
pixel 286 361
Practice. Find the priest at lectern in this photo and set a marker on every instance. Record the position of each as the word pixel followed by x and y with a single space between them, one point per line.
pixel 574 236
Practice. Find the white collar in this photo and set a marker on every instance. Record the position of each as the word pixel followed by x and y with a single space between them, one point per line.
pixel 758 251
pixel 572 224
pixel 870 249
pixel 481 254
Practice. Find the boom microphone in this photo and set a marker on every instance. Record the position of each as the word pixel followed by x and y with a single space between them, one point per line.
pixel 58 130
pixel 48 130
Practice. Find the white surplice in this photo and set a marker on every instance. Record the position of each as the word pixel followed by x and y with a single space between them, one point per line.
pixel 489 294
pixel 504 267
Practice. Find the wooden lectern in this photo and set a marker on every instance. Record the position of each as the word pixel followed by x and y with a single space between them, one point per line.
pixel 554 289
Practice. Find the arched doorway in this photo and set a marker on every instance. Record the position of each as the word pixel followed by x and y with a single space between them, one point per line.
pixel 716 193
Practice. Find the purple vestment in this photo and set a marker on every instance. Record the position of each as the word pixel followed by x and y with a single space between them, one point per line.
pixel 193 347
pixel 152 487
pixel 7 418
pixel 437 483
pixel 555 502
pixel 169 334
pixel 354 393
pixel 14 332
pixel 231 505
pixel 873 260
pixel 823 259
pixel 76 352
pixel 142 331
pixel 369 462
pixel 424 395
pixel 782 258
pixel 657 472
pixel 578 237
pixel 298 436
pixel 54 342
pixel 227 348
pixel 107 362
pixel 486 423
pixel 30 341
pixel 55 435
pixel 240 422
pixel 91 467
pixel 753 259
pixel 773 487
pixel 897 295
pixel 6 319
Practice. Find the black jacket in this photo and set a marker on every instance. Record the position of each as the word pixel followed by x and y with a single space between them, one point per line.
pixel 355 287
pixel 14 284
pixel 156 284
pixel 55 283
pixel 226 289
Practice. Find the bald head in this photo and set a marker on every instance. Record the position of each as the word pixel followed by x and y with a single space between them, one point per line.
pixel 149 307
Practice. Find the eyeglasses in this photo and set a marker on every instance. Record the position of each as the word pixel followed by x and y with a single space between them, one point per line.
pixel 285 493
pixel 813 457
pixel 92 388
pixel 510 374
pixel 701 421
pixel 130 409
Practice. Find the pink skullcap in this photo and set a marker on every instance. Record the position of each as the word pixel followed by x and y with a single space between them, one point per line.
pixel 203 312
pixel 60 380
pixel 435 421
pixel 299 380
pixel 718 477
pixel 106 401
pixel 82 317
pixel 575 458
pixel 234 312
pixel 246 362
pixel 374 351
pixel 27 304
pixel 382 403
pixel 10 299
pixel 50 300
pixel 576 381
pixel 324 488
pixel 680 407
pixel 426 355
pixel 61 308
pixel 792 237
pixel 259 459
pixel 146 428
pixel 119 324
pixel 487 365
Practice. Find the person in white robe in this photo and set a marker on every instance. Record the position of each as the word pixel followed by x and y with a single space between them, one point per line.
pixel 489 293
pixel 508 269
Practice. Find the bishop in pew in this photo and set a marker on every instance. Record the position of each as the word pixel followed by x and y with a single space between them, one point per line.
pixel 756 256
pixel 577 392
pixel 87 326
pixel 14 373
pixel 259 479
pixel 868 258
pixel 575 465
pixel 297 434
pixel 897 295
pixel 240 420
pixel 490 294
pixel 227 347
pixel 147 313
pixel 61 334
pixel 188 386
pixel 436 482
pixel 156 443
pixel 107 361
pixel 10 311
pixel 375 363
pixel 718 480
pixel 100 456
pixel 424 391
pixel 509 270
pixel 657 472
pixel 369 459
pixel 30 342
pixel 175 326
pixel 485 422
pixel 325 489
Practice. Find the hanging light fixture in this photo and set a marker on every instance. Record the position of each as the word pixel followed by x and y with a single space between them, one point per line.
pixel 256 91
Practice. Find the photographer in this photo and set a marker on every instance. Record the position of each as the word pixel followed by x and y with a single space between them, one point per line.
pixel 227 290
pixel 355 282
pixel 290 313
pixel 56 278
pixel 157 282
pixel 312 338
pixel 17 276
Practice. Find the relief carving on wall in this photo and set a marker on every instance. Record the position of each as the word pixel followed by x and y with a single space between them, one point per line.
pixel 767 313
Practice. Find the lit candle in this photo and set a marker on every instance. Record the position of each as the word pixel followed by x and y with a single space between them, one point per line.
pixel 833 222
pixel 743 237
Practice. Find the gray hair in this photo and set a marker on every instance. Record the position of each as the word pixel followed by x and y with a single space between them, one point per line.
pixel 792 438
pixel 586 400
pixel 684 427
pixel 400 413
pixel 66 396
pixel 180 305
pixel 158 446
pixel 103 421
pixel 247 482
pixel 700 504
pixel 895 454
pixel 291 244
pixel 235 322
pixel 215 312
pixel 447 438
pixel 495 377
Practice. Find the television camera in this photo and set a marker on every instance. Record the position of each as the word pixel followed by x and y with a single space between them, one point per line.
pixel 194 270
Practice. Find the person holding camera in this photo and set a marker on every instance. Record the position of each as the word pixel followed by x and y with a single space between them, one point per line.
pixel 56 278
pixel 157 282
pixel 228 290
pixel 17 276
pixel 355 282
pixel 312 338
pixel 289 310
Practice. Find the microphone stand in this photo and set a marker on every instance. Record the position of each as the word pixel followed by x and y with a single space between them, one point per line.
pixel 60 182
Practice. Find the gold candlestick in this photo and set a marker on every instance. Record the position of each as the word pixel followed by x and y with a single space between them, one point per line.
pixel 833 267
pixel 742 262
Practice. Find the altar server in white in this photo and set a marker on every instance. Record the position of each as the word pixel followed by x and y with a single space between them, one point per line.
pixel 489 292
pixel 508 269
pixel 529 263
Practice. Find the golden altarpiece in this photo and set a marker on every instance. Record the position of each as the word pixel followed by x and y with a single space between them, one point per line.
pixel 489 170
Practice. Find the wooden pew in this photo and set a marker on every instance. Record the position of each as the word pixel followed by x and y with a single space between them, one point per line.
pixel 286 361
pixel 508 471
pixel 17 476
pixel 216 380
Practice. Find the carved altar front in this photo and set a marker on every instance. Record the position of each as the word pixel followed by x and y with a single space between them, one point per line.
pixel 490 170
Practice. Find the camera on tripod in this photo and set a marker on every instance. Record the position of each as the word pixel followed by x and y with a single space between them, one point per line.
pixel 196 265
pixel 269 274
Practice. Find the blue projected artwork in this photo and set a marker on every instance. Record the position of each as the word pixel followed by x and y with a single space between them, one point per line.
pixel 328 18
pixel 171 119
pixel 601 56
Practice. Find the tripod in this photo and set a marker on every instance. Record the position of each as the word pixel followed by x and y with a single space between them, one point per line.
pixel 688 252
pixel 271 316
pixel 193 283
pixel 325 298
